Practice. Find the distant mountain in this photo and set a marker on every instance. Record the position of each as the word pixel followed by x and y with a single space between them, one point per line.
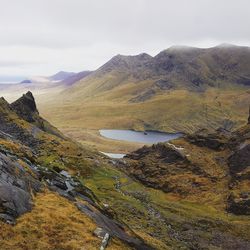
pixel 36 79
pixel 26 81
pixel 177 68
pixel 179 89
pixel 61 75
pixel 76 77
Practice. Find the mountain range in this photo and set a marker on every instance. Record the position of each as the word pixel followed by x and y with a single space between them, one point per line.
pixel 180 89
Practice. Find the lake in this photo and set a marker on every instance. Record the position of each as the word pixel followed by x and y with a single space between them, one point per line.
pixel 137 136
pixel 147 137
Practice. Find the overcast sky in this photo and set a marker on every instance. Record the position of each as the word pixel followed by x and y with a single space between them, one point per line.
pixel 41 37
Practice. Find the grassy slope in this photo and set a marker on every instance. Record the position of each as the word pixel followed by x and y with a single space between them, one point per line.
pixel 54 223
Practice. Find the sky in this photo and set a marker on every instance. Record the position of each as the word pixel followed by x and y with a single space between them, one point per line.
pixel 41 37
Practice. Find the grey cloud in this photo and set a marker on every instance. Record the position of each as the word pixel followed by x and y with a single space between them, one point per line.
pixel 99 29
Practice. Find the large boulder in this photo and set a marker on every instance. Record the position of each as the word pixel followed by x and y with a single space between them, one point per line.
pixel 16 186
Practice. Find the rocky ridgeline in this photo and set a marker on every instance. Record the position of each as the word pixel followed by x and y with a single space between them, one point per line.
pixel 21 176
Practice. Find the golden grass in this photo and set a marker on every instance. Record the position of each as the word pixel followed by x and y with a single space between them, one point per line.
pixel 54 223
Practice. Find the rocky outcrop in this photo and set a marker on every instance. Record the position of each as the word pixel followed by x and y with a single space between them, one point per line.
pixel 163 166
pixel 203 138
pixel 25 107
pixel 164 153
pixel 11 126
pixel 16 186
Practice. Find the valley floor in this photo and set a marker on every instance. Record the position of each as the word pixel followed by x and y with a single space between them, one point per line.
pixel 174 111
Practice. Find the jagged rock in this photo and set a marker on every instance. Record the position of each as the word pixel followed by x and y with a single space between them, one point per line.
pixel 154 165
pixel 165 153
pixel 25 107
pixel 11 127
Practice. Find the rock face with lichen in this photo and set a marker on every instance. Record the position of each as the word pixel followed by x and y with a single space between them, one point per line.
pixel 16 188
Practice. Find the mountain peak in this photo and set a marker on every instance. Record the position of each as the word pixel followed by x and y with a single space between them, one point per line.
pixel 3 101
pixel 25 107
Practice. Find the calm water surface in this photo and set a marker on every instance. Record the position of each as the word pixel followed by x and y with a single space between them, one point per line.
pixel 137 136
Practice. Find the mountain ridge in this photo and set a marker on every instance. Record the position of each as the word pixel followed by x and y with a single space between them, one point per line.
pixel 196 67
pixel 176 90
